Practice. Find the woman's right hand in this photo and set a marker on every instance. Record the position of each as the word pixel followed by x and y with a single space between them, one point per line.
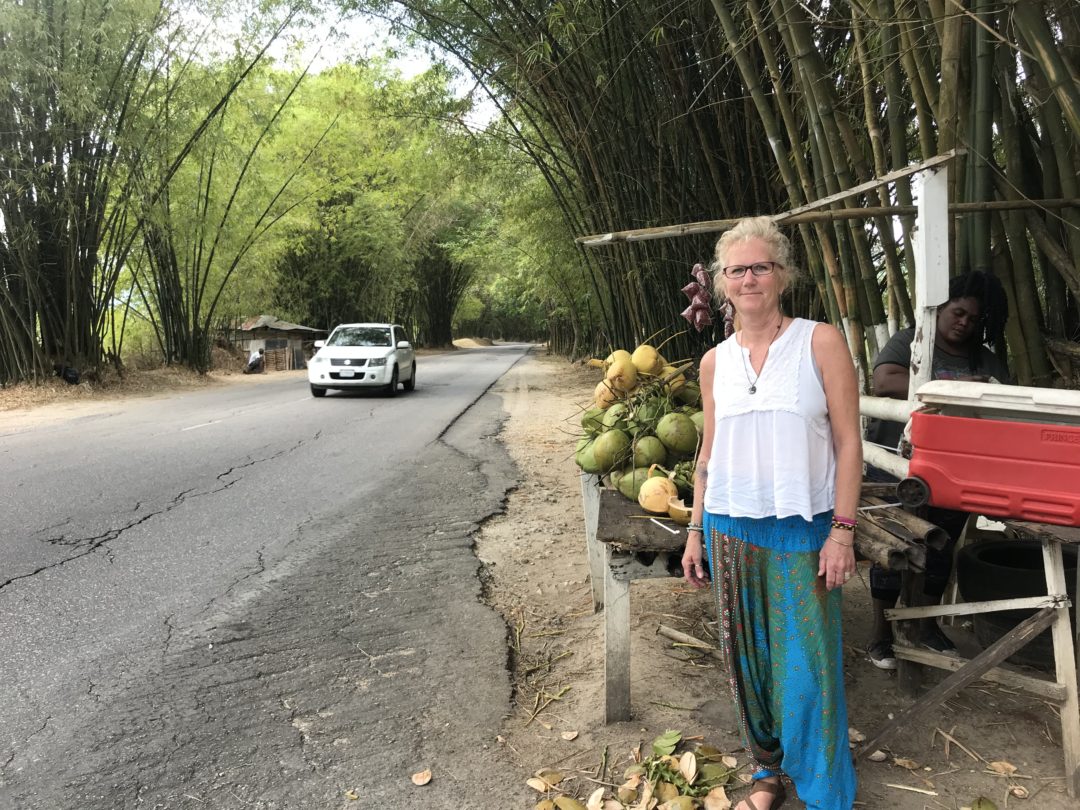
pixel 693 565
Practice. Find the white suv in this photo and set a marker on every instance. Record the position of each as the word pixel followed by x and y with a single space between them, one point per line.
pixel 363 355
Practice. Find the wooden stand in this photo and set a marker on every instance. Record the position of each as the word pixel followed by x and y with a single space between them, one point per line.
pixel 1053 612
pixel 626 545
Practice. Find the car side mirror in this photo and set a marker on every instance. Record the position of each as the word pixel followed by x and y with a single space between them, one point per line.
pixel 319 344
pixel 404 344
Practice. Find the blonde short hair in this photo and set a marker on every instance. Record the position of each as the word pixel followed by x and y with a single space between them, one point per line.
pixel 762 228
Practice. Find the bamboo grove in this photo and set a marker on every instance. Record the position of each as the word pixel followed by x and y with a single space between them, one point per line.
pixel 645 114
pixel 159 184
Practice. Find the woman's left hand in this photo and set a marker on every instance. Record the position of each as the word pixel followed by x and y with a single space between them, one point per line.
pixel 836 561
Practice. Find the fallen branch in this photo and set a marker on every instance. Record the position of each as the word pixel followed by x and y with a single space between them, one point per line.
pixel 923 791
pixel 689 641
pixel 949 738
pixel 550 699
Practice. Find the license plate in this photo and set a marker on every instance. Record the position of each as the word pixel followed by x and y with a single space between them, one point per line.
pixel 346 372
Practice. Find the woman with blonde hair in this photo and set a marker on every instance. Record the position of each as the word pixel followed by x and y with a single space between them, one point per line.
pixel 777 485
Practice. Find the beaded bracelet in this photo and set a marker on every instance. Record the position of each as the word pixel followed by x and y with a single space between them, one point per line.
pixel 695 527
pixel 844 524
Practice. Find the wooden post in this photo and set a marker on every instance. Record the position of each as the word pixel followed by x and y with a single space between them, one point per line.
pixel 1064 665
pixel 909 675
pixel 931 270
pixel 590 499
pixel 616 642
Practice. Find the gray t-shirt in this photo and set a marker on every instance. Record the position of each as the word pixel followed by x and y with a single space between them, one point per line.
pixel 946 367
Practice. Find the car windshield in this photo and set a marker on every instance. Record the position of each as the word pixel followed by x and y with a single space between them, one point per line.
pixel 360 336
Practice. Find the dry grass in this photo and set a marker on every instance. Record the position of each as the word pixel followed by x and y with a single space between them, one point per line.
pixel 109 386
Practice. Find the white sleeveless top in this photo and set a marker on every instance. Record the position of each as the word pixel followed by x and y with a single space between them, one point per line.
pixel 772 453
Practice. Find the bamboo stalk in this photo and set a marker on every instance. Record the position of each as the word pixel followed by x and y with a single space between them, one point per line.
pixel 873 549
pixel 869 534
pixel 929 533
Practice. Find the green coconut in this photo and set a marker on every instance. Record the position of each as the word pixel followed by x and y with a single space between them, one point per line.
pixel 630 482
pixel 690 393
pixel 645 414
pixel 649 450
pixel 615 417
pixel 586 457
pixel 614 477
pixel 611 448
pixel 678 433
pixel 591 420
pixel 698 418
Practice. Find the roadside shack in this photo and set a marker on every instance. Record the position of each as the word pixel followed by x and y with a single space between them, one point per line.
pixel 287 345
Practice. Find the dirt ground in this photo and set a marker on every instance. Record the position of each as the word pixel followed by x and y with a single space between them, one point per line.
pixel 537 577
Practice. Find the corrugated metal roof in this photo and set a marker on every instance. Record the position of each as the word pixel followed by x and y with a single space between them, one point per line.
pixel 276 324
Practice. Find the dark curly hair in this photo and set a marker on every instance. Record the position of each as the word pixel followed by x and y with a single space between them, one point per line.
pixel 993 307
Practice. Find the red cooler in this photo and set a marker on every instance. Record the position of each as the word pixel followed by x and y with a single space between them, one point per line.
pixel 999 450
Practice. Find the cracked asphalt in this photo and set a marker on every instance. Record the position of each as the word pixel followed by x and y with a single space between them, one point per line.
pixel 249 598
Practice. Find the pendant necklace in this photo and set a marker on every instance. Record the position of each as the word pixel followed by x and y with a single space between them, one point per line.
pixel 753 383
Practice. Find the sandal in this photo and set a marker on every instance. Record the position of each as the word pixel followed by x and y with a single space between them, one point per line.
pixel 774 789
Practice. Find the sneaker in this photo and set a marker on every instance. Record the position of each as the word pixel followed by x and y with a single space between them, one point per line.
pixel 881 654
pixel 934 639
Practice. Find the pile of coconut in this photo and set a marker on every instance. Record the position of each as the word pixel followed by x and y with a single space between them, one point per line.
pixel 643 430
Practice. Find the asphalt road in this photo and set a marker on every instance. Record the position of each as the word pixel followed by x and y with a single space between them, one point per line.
pixel 245 597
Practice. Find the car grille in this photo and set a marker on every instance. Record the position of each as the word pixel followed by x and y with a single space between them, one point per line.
pixel 355 363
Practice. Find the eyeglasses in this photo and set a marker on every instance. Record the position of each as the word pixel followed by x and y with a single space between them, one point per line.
pixel 758 269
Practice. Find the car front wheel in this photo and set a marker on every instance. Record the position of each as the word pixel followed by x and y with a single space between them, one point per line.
pixel 410 383
pixel 318 392
pixel 391 389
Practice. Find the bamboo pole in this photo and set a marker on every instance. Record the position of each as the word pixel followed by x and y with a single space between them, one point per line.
pixel 929 533
pixel 789 218
pixel 872 534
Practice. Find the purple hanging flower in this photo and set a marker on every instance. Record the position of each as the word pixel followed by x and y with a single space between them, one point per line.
pixel 699 313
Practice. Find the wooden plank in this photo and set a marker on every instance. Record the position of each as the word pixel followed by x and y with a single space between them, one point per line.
pixel 616 644
pixel 1049 690
pixel 627 525
pixel 975 668
pixel 1069 535
pixel 967 608
pixel 594 549
pixel 1064 665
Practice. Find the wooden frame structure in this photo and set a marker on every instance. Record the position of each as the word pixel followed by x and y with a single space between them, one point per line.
pixel 616 569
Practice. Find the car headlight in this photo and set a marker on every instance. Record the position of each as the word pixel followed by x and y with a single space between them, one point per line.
pixel 317 359
pixel 377 361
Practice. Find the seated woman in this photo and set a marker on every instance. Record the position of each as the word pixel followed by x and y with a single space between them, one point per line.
pixel 973 317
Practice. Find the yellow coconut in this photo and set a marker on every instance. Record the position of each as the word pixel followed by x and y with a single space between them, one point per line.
pixel 655 494
pixel 622 374
pixel 647 359
pixel 676 382
pixel 604 395
pixel 618 354
pixel 678 511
